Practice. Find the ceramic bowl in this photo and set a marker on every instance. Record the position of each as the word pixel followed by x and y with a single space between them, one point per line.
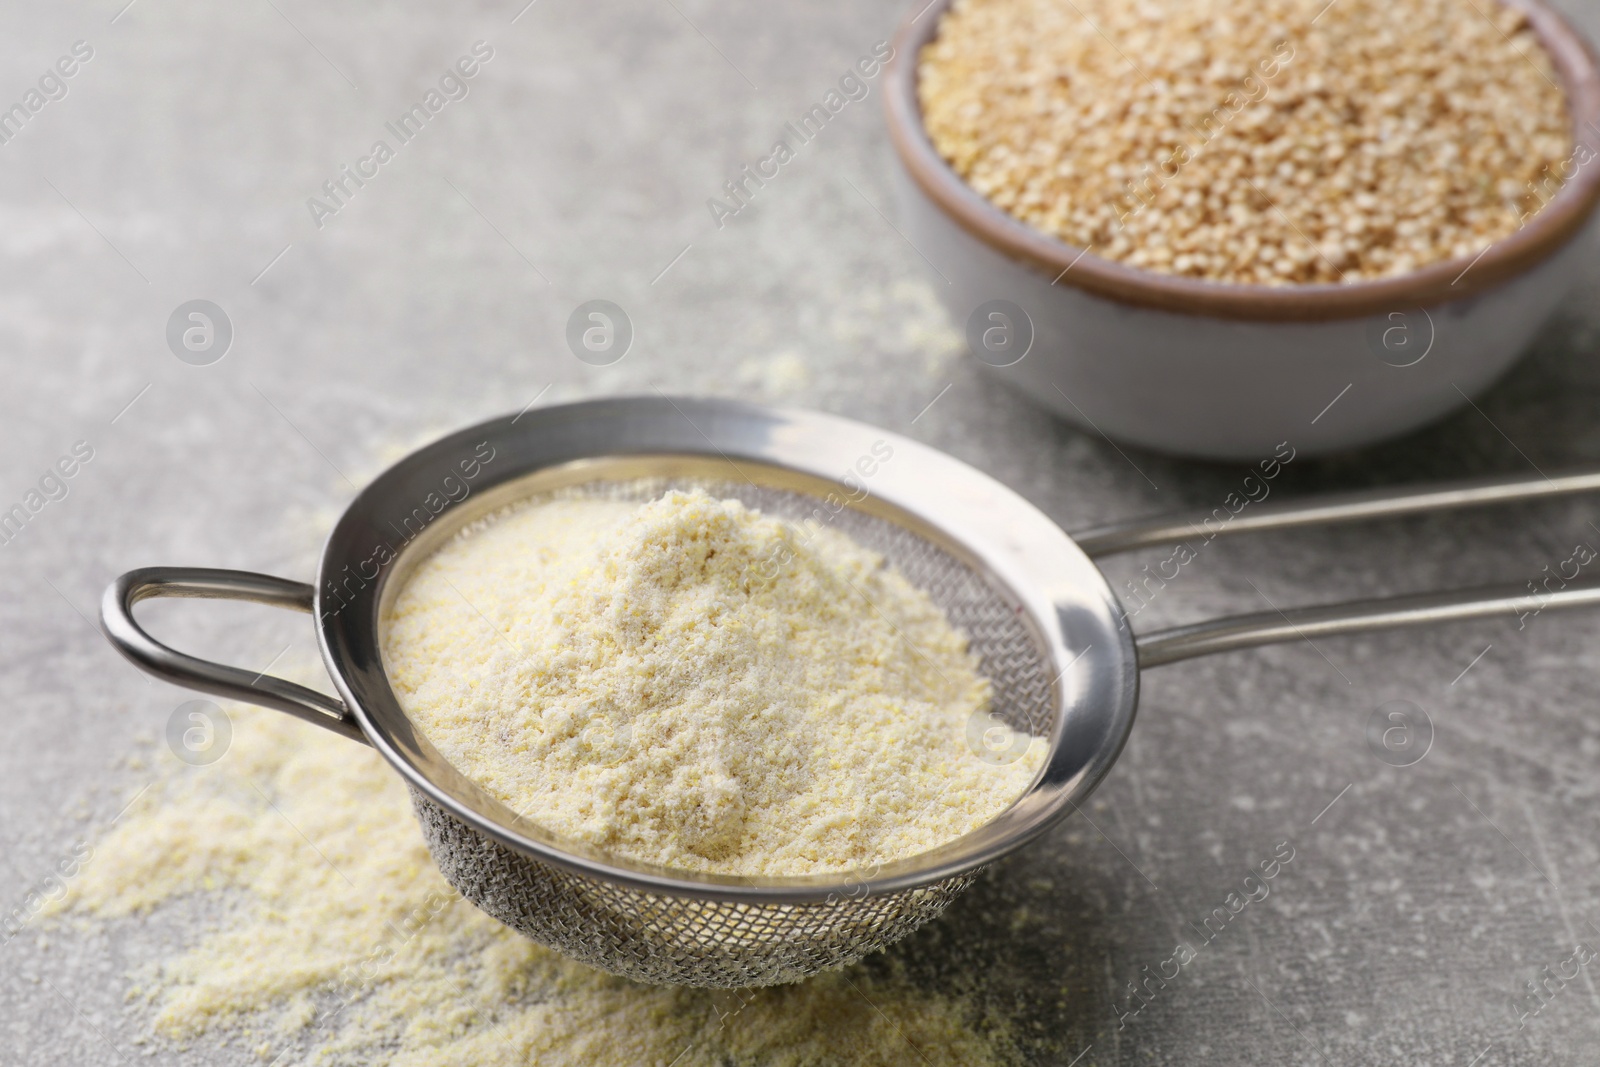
pixel 1225 371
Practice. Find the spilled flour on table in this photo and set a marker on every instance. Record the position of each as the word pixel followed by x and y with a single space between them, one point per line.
pixel 341 944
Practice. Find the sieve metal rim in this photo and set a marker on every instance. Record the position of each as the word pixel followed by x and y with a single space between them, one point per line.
pixel 1080 624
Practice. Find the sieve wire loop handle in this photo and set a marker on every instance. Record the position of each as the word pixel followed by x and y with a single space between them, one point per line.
pixel 1361 616
pixel 1331 510
pixel 1357 617
pixel 153 657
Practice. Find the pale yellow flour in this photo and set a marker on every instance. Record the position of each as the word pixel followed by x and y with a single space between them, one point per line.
pixel 694 683
pixel 341 944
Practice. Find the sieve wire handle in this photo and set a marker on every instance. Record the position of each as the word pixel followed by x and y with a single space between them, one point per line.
pixel 1361 616
pixel 153 657
pixel 1358 617
pixel 1330 510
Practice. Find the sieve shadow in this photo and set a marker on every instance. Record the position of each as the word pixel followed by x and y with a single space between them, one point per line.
pixel 1031 949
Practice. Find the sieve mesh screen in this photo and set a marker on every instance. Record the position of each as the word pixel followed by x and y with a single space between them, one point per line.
pixel 655 937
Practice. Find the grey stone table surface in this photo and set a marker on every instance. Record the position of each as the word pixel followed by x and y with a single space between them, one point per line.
pixel 178 165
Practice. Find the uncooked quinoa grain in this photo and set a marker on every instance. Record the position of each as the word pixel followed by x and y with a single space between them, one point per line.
pixel 693 683
pixel 1276 142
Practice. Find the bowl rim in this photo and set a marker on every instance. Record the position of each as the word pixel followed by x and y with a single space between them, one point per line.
pixel 1547 230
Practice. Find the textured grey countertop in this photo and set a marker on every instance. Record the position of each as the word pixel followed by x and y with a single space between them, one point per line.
pixel 178 166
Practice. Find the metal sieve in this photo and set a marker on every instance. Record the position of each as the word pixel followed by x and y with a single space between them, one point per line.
pixel 1051 636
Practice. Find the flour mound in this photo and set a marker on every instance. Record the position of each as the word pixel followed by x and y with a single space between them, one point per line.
pixel 693 683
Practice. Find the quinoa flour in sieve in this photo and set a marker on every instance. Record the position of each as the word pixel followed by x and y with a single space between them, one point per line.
pixel 693 683
pixel 314 930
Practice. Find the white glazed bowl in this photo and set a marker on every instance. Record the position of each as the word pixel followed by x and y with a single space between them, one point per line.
pixel 1222 371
